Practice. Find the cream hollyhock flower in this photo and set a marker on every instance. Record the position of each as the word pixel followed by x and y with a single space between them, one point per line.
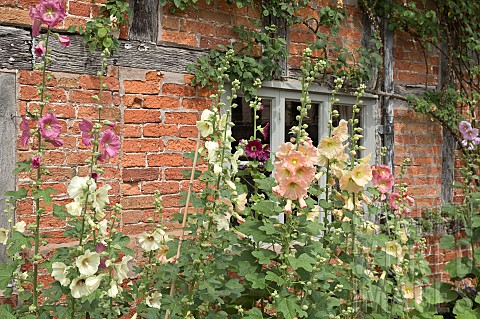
pixel 20 226
pixel 347 183
pixel 150 241
pixel 88 263
pixel 74 208
pixel 100 197
pixel 114 290
pixel 205 126
pixel 341 131
pixel 394 249
pixel 122 268
pixel 362 174
pixel 403 235
pixel 241 202
pixel 211 147
pixel 80 185
pixel 78 287
pixel 3 235
pixel 59 273
pixel 154 300
pixel 234 160
pixel 103 227
pixel 93 283
pixel 330 147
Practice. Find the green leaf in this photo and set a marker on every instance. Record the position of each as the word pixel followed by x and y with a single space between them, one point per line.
pixel 290 309
pixel 447 242
pixel 462 305
pixel 19 194
pixel 59 212
pixel 257 280
pixel 253 313
pixel 459 268
pixel 274 277
pixel 266 184
pixel 17 241
pixel 6 312
pixel 6 273
pixel 46 194
pixel 107 42
pixel 303 261
pixel 102 32
pixel 264 256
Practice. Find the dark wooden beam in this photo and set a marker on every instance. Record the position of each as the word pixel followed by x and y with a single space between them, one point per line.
pixel 15 48
pixel 144 25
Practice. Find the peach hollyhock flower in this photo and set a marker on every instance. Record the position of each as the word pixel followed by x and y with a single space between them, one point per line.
pixel 282 173
pixel 347 183
pixel 380 172
pixel 294 160
pixel 341 131
pixel 362 174
pixel 283 150
pixel 330 147
pixel 310 151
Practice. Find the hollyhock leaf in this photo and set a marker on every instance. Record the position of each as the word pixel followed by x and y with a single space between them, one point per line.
pixel 253 313
pixel 22 167
pixel 303 261
pixel 257 280
pixel 59 212
pixel 18 194
pixel 447 242
pixel 6 274
pixel 264 256
pixel 45 194
pixel 290 309
pixel 459 268
pixel 6 312
pixel 17 242
pixel 266 183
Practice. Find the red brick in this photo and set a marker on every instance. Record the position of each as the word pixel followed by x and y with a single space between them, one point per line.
pixel 131 189
pixel 137 202
pixel 154 76
pixel 178 89
pixel 142 145
pixel 188 131
pixel 67 82
pixel 34 77
pixel 181 118
pixel 161 102
pixel 141 87
pixel 133 101
pixel 107 113
pixel 131 130
pixel 132 160
pixel 213 43
pixel 165 159
pixel 196 104
pixel 170 23
pixel 193 26
pixel 93 82
pixel 179 37
pixel 169 187
pixel 79 9
pixel 14 16
pixel 180 145
pixel 142 116
pixel 86 96
pixel 66 111
pixel 140 174
pixel 158 130
pixel 74 21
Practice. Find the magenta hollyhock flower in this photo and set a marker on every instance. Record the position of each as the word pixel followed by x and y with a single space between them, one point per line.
pixel 50 129
pixel 36 162
pixel 265 154
pixel 36 22
pixel 265 131
pixel 64 40
pixel 40 50
pixel 110 144
pixel 86 127
pixel 464 126
pixel 254 149
pixel 25 132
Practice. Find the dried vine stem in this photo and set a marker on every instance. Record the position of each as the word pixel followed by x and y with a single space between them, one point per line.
pixel 185 215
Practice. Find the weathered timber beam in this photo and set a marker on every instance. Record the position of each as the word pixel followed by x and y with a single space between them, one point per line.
pixel 15 48
pixel 16 53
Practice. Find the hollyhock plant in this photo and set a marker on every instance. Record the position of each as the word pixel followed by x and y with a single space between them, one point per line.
pixel 110 144
pixel 49 12
pixel 40 50
pixel 86 127
pixel 25 128
pixel 50 128
pixel 254 149
pixel 36 162
pixel 64 41
pixel 464 126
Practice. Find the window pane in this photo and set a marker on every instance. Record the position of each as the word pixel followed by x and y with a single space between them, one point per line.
pixel 242 116
pixel 291 113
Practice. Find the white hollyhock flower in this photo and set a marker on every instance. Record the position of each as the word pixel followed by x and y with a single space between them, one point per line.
pixel 240 202
pixel 80 185
pixel 122 268
pixel 93 283
pixel 154 300
pixel 103 227
pixel 100 197
pixel 20 226
pixel 150 241
pixel 74 208
pixel 88 263
pixel 211 147
pixel 78 287
pixel 114 290
pixel 3 235
pixel 205 126
pixel 163 235
pixel 59 273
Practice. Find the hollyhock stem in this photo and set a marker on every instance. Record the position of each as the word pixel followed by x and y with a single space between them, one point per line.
pixel 38 209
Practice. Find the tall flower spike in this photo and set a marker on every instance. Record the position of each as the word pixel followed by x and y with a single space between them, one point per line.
pixel 49 12
pixel 25 132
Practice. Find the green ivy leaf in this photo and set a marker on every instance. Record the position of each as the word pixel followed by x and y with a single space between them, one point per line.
pixel 462 306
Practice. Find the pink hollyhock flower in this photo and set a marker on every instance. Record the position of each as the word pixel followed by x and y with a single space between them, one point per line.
pixel 110 144
pixel 50 129
pixel 36 162
pixel 40 50
pixel 64 40
pixel 86 129
pixel 294 160
pixel 25 132
pixel 50 12
pixel 254 149
pixel 393 200
pixel 291 190
pixel 464 126
pixel 384 184
pixel 379 172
